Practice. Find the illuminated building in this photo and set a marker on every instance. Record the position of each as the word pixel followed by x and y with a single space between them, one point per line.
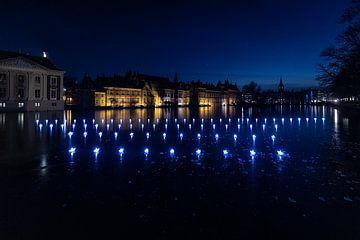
pixel 29 83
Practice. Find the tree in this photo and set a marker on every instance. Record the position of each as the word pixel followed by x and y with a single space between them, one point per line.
pixel 253 88
pixel 340 71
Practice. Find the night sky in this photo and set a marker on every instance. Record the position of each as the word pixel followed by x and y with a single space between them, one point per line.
pixel 208 40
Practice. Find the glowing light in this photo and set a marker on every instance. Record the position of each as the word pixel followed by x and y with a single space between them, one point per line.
pixel 263 126
pixel 291 120
pixel 323 119
pixel 184 120
pixel 70 134
pixel 229 120
pixel 181 136
pixel 62 127
pixel 100 134
pixel 254 137
pixel 74 120
pixel 251 126
pixel 37 121
pixel 51 126
pixel 56 121
pixel 131 135
pixel 154 126
pixel 166 125
pixel 280 153
pixel 93 121
pixel 235 137
pixel 85 126
pixel 84 121
pixel 225 152
pixel 202 120
pixel 130 126
pixel 190 126
pixel 198 152
pixel 85 134
pixel 164 136
pixel 72 151
pixel 220 120
pixel 172 152
pixel 256 120
pixel 121 151
pixel 177 126
pixel 226 127
pixel 238 119
pixel 115 135
pixel 73 126
pixel 238 126
pixel 96 151
pixel 142 126
pixel 282 120
pixel 147 135
pixel 247 120
pixel 119 126
pixel 276 127
pixel 299 119
pixel 274 120
pixel 108 126
pixel 217 137
pixel 307 119
pixel 214 126
pixel 102 121
pixel 96 126
pixel 40 126
pixel 46 121
pixel 146 151
pixel 273 137
pixel 198 136
pixel 202 126
pixel 265 120
pixel 252 153
pixel 130 120
pixel 211 120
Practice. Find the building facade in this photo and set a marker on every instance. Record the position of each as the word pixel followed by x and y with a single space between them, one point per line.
pixel 29 83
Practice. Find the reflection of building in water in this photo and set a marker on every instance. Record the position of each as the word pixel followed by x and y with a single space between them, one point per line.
pixel 29 83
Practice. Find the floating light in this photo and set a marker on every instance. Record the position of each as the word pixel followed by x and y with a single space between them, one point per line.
pixel 74 120
pixel 37 121
pixel 56 121
pixel 189 126
pixel 216 137
pixel 146 151
pixel 323 119
pixel 84 121
pixel 46 121
pixel 256 120
pixel 93 121
pixel 73 126
pixel 280 153
pixel 51 126
pixel 235 137
pixel 96 126
pixel 291 120
pixel 226 127
pixel 85 134
pixel 225 153
pixel 164 136
pixel 142 126
pixel 147 135
pixel 247 120
pixel 254 137
pixel 273 137
pixel 166 126
pixel 72 151
pixel 107 126
pixel 177 126
pixel 172 152
pixel 115 135
pixel 154 126
pixel 198 152
pixel 40 126
pixel 214 126
pixel 100 135
pixel 276 127
pixel 70 134
pixel 96 151
pixel 62 127
pixel 274 120
pixel 307 119
pixel 131 135
pixel 131 126
pixel 251 126
pixel 252 153
pixel 220 120
pixel 238 126
pixel 181 136
pixel 121 151
pixel 263 126
pixel 265 120
pixel 198 136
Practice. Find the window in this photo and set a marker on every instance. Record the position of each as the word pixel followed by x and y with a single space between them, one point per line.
pixel 53 81
pixel 2 105
pixel 20 104
pixel 53 94
pixel 2 92
pixel 21 79
pixel 37 93
pixel 53 104
pixel 37 79
pixel 2 78
pixel 20 93
pixel 37 104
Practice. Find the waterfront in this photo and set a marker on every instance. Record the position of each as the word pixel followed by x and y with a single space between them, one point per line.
pixel 312 190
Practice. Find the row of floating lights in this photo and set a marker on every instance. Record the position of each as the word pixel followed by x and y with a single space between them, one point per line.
pixel 176 120
pixel 198 152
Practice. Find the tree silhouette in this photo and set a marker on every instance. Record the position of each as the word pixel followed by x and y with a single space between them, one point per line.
pixel 340 71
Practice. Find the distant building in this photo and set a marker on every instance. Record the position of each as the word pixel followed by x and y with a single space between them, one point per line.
pixel 281 91
pixel 29 83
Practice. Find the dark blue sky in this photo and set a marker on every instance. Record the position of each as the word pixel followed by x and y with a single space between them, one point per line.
pixel 208 40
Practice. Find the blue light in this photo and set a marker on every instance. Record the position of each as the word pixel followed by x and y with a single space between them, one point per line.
pixel 177 126
pixel 251 126
pixel 119 126
pixel 307 119
pixel 263 126
pixel 84 121
pixel 93 121
pixel 62 126
pixel 111 120
pixel 37 121
pixel 70 134
pixel 51 126
pixel 164 136
pixel 217 137
pixel 254 137
pixel 130 126
pixel 131 135
pixel 121 151
pixel 74 120
pixel 172 152
pixel 291 120
pixel 108 126
pixel 85 134
pixel 252 153
pixel 147 135
pixel 181 136
pixel 166 125
pixel 274 120
pixel 315 119
pixel 40 126
pixel 225 152
pixel 146 151
pixel 280 153
pixel 72 151
pixel 142 126
pixel 214 126
pixel 85 126
pixel 115 135
pixel 96 150
pixel 198 152
pixel 276 127
pixel 323 119
pixel 56 121
pixel 96 126
pixel 100 134
pixel 238 126
pixel 190 126
pixel 46 121
pixel 198 136
pixel 73 126
pixel 265 120
pixel 226 127
pixel 273 137
pixel 235 137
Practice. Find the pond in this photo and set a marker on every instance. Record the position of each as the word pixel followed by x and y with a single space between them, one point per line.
pixel 281 172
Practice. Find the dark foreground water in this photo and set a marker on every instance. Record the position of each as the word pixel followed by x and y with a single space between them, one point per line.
pixel 247 173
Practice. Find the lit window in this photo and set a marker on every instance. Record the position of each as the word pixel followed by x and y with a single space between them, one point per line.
pixel 37 104
pixel 20 104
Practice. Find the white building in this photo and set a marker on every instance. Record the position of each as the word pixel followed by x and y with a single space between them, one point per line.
pixel 29 83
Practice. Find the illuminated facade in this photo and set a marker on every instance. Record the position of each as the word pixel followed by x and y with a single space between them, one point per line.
pixel 29 83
